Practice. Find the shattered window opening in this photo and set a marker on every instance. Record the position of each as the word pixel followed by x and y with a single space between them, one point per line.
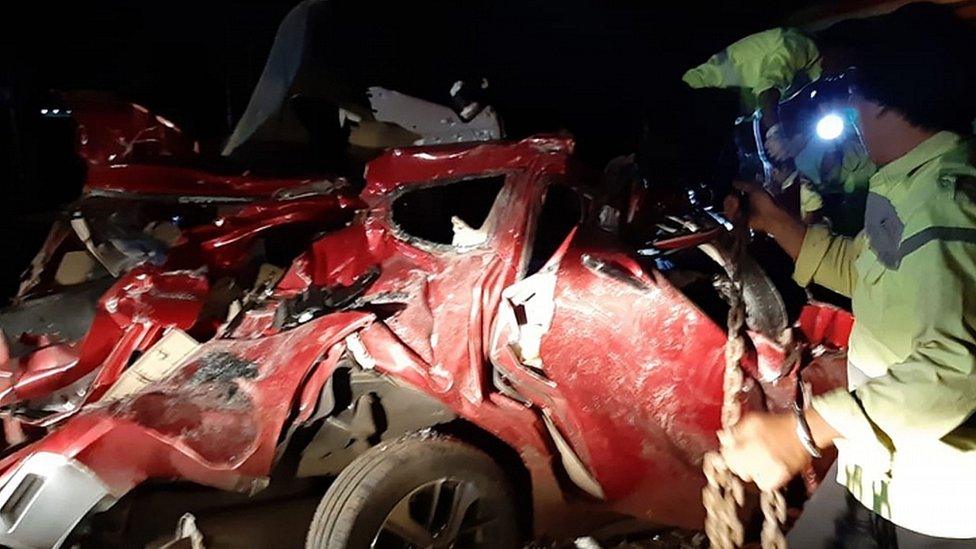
pixel 450 213
pixel 562 209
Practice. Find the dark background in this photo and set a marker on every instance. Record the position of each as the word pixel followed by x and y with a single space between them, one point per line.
pixel 594 67
pixel 607 71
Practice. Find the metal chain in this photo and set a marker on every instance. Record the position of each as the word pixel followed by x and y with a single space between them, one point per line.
pixel 723 493
pixel 774 515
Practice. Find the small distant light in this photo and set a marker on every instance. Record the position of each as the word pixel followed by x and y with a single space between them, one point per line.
pixel 55 111
pixel 813 94
pixel 43 111
pixel 830 127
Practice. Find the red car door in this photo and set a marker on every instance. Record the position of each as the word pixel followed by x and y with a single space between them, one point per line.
pixel 625 368
pixel 453 228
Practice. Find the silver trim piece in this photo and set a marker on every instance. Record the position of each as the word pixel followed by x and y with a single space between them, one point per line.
pixel 45 498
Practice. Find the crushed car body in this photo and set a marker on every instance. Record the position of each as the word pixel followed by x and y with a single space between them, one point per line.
pixel 474 295
pixel 155 214
pixel 153 243
pixel 164 236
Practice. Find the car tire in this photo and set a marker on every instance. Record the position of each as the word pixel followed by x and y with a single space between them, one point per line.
pixel 418 492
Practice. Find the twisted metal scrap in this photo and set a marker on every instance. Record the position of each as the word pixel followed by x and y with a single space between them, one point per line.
pixel 723 493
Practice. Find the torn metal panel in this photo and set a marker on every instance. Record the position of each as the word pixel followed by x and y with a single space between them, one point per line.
pixel 634 401
pixel 398 168
pixel 328 262
pixel 132 152
pixel 280 72
pixel 206 423
pixel 186 184
pixel 531 301
pixel 192 287
pixel 435 124
pixel 128 317
pixel 823 324
pixel 32 278
pixel 224 245
pixel 572 463
pixel 114 131
pixel 66 315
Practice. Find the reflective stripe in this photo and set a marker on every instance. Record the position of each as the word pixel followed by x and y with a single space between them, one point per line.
pixel 884 229
pixel 942 234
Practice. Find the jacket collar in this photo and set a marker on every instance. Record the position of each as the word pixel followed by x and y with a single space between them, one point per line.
pixel 901 169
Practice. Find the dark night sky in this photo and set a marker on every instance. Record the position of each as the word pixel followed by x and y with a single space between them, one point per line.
pixel 593 67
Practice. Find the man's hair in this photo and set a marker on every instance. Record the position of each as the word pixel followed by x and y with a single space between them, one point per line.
pixel 919 60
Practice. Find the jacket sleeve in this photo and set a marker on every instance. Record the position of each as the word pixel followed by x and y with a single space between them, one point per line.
pixel 769 59
pixel 828 260
pixel 810 199
pixel 933 391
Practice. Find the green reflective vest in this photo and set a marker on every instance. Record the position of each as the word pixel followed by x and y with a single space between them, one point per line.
pixel 908 441
pixel 758 62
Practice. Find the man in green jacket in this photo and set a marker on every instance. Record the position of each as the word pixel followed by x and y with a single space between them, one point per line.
pixel 769 67
pixel 905 428
pixel 764 66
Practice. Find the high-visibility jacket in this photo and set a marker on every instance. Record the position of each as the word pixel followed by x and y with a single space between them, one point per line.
pixel 908 436
pixel 785 59
pixel 837 189
pixel 775 58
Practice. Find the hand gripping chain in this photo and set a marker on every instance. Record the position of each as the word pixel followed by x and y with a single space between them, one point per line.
pixel 723 494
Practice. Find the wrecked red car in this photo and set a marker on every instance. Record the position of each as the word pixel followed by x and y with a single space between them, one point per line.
pixel 474 361
pixel 164 236
pixel 154 242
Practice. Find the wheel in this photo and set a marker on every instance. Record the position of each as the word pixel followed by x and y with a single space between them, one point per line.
pixel 417 493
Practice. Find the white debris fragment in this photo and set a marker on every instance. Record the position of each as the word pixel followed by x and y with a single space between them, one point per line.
pixel 586 543
pixel 187 530
pixel 355 345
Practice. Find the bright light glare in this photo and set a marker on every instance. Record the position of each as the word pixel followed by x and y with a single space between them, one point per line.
pixel 830 127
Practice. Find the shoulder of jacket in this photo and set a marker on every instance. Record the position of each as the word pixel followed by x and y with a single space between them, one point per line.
pixel 942 194
pixel 955 175
pixel 769 39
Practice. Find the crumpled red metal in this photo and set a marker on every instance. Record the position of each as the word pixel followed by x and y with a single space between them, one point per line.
pixel 632 375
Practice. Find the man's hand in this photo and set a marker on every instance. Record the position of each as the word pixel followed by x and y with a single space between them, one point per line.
pixel 781 147
pixel 764 448
pixel 760 211
pixel 763 214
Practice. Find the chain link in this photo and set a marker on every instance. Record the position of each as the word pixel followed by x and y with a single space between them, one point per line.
pixel 723 493
pixel 774 515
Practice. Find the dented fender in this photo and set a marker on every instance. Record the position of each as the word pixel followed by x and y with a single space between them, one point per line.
pixel 216 420
pixel 130 316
